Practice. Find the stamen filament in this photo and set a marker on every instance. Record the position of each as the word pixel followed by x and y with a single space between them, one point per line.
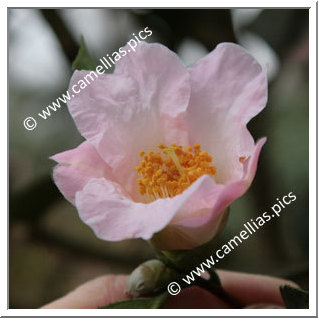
pixel 173 156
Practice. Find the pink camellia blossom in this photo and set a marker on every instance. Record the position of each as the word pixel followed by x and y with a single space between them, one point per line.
pixel 176 193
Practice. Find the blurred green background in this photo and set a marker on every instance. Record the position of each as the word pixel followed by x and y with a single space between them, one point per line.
pixel 51 250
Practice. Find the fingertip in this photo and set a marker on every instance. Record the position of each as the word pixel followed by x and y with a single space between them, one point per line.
pixel 251 289
pixel 195 298
pixel 95 293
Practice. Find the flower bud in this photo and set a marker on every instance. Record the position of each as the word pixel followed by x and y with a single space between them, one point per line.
pixel 149 277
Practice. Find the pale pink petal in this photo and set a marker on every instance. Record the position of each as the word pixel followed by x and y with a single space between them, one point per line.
pixel 142 104
pixel 76 167
pixel 228 89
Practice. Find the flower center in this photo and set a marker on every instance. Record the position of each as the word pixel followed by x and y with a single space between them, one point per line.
pixel 170 170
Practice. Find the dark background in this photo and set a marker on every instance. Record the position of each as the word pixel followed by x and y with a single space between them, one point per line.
pixel 51 250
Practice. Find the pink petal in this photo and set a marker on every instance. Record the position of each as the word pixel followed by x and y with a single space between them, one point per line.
pixel 109 211
pixel 76 167
pixel 113 216
pixel 228 89
pixel 142 104
pixel 200 216
pixel 189 219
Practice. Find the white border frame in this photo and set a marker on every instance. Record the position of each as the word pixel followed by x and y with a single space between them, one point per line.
pixel 312 164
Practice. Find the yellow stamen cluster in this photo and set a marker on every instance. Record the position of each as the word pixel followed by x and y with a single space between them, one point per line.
pixel 170 170
pixel 242 159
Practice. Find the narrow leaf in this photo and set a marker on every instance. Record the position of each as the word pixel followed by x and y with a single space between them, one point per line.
pixel 294 298
pixel 214 277
pixel 83 60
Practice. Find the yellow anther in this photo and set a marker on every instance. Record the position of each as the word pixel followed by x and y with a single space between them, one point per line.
pixel 188 149
pixel 161 146
pixel 212 170
pixel 158 172
pixel 196 148
pixel 242 159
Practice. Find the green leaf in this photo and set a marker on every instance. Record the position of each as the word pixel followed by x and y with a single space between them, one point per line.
pixel 294 298
pixel 139 303
pixel 83 60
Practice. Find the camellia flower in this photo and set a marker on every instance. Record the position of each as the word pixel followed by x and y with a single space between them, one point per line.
pixel 167 149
